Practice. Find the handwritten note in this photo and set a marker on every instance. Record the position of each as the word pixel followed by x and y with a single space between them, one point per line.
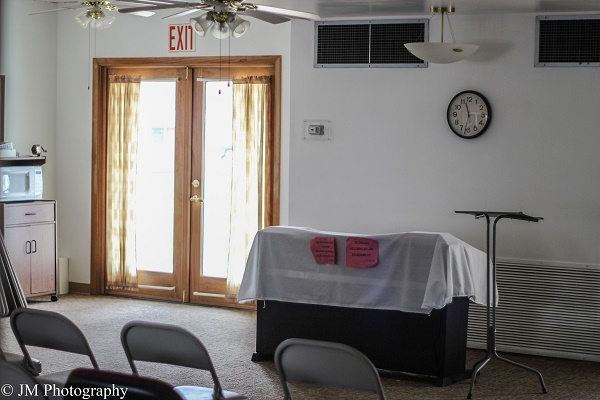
pixel 362 252
pixel 323 249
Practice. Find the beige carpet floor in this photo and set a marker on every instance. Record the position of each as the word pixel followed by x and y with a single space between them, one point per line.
pixel 229 337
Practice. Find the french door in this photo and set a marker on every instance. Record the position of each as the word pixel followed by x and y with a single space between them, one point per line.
pixel 161 202
pixel 211 178
pixel 184 174
pixel 213 218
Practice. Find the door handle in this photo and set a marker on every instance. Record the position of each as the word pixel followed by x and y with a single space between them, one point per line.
pixel 196 199
pixel 28 247
pixel 34 246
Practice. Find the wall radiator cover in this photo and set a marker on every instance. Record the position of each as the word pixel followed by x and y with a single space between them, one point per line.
pixel 543 310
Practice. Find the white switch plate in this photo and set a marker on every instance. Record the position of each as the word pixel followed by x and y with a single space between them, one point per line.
pixel 309 126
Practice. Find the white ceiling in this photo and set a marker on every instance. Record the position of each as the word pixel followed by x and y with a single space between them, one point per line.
pixel 339 9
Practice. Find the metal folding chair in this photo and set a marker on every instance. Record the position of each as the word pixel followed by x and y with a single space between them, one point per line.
pixel 49 330
pixel 18 384
pixel 171 344
pixel 327 364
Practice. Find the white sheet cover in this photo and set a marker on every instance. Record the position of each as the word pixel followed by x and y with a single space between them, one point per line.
pixel 417 271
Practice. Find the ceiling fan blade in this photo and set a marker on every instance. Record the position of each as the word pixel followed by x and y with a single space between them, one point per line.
pixel 57 9
pixel 181 13
pixel 293 14
pixel 137 3
pixel 148 2
pixel 143 13
pixel 156 7
pixel 265 16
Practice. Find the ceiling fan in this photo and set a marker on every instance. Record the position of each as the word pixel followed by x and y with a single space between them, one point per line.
pixel 222 19
pixel 95 13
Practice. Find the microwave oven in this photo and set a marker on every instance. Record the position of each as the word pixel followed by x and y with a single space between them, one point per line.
pixel 21 183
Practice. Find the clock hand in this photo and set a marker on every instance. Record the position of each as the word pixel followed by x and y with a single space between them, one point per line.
pixel 468 117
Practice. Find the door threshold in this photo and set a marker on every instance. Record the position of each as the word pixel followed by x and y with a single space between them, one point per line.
pixel 168 288
pixel 209 294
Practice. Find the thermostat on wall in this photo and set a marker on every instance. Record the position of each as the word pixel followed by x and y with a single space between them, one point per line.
pixel 316 130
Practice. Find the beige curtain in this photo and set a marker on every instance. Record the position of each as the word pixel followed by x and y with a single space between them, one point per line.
pixel 123 100
pixel 251 126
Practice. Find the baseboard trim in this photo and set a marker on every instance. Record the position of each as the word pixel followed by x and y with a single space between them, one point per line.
pixel 79 288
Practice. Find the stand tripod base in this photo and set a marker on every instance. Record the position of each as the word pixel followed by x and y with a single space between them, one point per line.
pixel 479 365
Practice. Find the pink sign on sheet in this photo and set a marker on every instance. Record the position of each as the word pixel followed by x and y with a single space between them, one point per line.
pixel 362 252
pixel 323 249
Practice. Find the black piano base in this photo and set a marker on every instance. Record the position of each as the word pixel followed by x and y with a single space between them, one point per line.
pixel 431 346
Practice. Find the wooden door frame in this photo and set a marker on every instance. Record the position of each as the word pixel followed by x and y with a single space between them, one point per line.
pixel 99 127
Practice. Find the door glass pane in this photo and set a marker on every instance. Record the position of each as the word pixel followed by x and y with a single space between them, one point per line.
pixel 217 178
pixel 156 176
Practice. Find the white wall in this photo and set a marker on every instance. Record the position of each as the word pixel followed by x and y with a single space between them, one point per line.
pixel 392 164
pixel 28 60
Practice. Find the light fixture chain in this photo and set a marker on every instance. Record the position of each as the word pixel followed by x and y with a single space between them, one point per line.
pixel 450 26
pixel 89 58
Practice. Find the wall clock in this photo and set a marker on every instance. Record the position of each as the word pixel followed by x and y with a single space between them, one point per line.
pixel 469 114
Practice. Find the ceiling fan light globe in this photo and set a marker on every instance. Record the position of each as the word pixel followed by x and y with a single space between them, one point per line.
pixel 238 27
pixel 220 31
pixel 201 24
pixel 83 19
pixel 441 53
pixel 104 22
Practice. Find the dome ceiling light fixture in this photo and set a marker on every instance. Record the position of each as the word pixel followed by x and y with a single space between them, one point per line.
pixel 442 53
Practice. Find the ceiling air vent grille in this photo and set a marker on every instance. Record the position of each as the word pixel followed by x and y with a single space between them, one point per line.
pixel 368 43
pixel 568 41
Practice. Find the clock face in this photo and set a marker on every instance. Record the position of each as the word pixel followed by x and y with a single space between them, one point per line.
pixel 469 114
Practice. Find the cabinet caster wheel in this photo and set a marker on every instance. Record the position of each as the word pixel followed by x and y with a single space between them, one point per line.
pixel 54 297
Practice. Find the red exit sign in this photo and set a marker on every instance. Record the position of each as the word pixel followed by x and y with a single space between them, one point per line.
pixel 181 38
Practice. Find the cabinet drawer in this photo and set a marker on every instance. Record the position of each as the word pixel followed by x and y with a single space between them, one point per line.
pixel 29 213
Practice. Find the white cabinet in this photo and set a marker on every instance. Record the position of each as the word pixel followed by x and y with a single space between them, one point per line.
pixel 29 230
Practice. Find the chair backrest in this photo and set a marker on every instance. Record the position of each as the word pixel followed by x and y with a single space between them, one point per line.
pixel 116 385
pixel 14 379
pixel 49 330
pixel 166 344
pixel 325 363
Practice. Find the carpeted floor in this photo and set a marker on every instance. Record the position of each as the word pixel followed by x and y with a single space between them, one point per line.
pixel 229 337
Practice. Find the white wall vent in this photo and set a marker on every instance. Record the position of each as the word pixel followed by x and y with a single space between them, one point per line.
pixel 567 41
pixel 543 310
pixel 368 43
